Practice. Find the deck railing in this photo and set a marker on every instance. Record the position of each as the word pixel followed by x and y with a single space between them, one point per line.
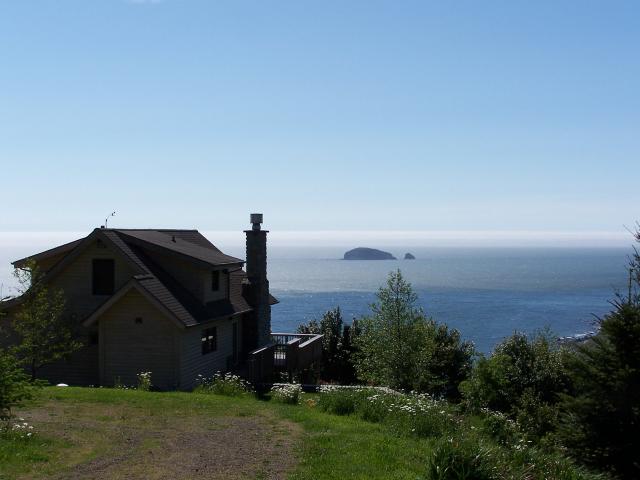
pixel 287 352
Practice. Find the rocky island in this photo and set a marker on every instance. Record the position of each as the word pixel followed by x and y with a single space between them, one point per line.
pixel 409 256
pixel 362 253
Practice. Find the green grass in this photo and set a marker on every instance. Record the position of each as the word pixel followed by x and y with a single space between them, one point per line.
pixel 78 426
pixel 329 447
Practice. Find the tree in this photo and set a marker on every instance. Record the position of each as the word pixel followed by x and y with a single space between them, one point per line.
pixel 14 386
pixel 601 415
pixel 389 339
pixel 44 332
pixel 444 360
pixel 336 346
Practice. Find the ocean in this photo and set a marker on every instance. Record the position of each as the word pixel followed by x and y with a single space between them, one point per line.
pixel 487 293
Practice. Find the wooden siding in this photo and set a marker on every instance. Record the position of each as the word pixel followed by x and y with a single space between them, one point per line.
pixel 192 277
pixel 76 280
pixel 194 363
pixel 128 348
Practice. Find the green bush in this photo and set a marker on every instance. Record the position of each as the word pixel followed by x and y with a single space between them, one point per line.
pixel 289 393
pixel 523 378
pixel 226 384
pixel 144 381
pixel 14 385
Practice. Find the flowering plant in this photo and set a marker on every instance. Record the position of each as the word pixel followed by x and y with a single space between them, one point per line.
pixel 286 393
pixel 222 384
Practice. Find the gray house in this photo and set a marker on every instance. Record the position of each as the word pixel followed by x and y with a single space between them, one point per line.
pixel 164 301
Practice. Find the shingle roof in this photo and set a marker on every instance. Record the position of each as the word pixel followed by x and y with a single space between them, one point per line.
pixel 162 286
pixel 177 242
pixel 67 247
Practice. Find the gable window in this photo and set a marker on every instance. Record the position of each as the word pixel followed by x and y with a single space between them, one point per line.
pixel 215 280
pixel 209 340
pixel 103 276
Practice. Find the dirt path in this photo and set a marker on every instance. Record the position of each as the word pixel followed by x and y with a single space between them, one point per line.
pixel 120 442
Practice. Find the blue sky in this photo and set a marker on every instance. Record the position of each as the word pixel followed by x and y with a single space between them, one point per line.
pixel 465 115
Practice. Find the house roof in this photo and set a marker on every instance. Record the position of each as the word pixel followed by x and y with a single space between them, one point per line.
pixel 151 279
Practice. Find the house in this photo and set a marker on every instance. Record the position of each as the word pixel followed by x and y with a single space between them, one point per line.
pixel 164 301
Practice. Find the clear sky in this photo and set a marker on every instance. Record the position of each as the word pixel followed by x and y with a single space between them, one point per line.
pixel 326 115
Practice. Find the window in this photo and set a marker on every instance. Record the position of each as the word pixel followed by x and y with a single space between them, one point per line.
pixel 103 276
pixel 215 280
pixel 209 340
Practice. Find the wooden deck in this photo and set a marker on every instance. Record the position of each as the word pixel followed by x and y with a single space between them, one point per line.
pixel 287 352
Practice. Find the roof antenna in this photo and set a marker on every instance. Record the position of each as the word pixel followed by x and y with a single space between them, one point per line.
pixel 106 220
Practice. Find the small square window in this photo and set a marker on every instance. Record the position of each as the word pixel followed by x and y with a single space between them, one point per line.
pixel 215 280
pixel 209 340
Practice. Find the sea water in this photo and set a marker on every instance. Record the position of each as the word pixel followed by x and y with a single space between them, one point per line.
pixel 486 293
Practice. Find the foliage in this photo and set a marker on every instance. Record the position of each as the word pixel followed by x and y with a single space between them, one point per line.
pixel 144 381
pixel 487 446
pixel 286 393
pixel 337 348
pixel 226 384
pixel 443 361
pixel 44 331
pixel 400 347
pixel 452 460
pixel 522 378
pixel 601 415
pixel 388 339
pixel 14 386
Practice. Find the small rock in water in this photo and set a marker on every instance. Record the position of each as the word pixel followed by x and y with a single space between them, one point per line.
pixel 409 256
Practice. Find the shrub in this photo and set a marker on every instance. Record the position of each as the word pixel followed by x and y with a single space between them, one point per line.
pixel 337 364
pixel 223 384
pixel 144 381
pixel 14 386
pixel 523 378
pixel 288 393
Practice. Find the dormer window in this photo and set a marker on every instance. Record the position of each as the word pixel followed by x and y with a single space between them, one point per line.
pixel 103 276
pixel 215 280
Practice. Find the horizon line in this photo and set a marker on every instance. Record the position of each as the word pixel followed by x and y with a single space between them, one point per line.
pixel 344 238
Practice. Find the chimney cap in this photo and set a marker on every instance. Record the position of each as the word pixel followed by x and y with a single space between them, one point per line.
pixel 256 220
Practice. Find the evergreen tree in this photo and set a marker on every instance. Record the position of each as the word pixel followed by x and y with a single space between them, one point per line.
pixel 389 340
pixel 601 421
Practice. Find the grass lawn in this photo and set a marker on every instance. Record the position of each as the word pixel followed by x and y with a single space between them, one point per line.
pixel 87 433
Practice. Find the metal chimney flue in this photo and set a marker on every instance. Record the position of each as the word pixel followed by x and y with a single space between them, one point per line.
pixel 256 220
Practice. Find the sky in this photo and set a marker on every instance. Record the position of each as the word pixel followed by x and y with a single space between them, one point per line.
pixel 498 117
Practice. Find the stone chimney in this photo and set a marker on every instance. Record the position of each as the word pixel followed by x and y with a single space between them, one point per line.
pixel 258 287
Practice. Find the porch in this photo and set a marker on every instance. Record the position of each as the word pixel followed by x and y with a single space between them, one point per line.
pixel 287 353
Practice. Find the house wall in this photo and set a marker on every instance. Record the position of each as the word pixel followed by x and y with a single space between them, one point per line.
pixel 128 348
pixel 81 368
pixel 76 280
pixel 194 363
pixel 192 277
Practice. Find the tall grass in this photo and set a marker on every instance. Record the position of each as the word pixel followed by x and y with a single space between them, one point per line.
pixel 487 446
